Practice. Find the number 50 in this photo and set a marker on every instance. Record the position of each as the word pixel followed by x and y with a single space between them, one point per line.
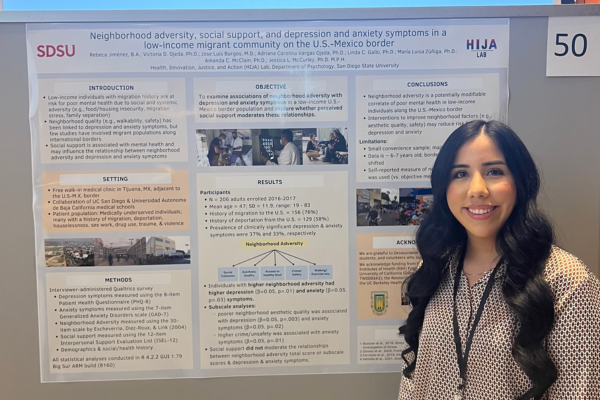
pixel 573 43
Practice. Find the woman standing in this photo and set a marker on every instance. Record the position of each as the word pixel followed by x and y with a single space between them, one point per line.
pixel 498 311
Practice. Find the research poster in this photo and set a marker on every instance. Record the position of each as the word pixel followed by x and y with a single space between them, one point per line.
pixel 233 199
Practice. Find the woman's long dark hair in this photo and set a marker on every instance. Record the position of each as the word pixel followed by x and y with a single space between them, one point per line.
pixel 524 242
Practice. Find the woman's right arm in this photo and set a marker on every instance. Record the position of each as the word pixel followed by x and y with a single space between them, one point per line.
pixel 574 342
pixel 406 387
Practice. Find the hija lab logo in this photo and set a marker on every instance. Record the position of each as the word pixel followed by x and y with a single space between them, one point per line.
pixel 481 46
pixel 61 50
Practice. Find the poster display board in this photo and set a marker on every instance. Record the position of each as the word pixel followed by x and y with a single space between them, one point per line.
pixel 228 199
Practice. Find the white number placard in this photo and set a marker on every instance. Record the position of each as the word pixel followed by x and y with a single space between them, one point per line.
pixel 573 46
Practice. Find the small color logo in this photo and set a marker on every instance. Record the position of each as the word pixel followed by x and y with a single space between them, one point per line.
pixel 379 302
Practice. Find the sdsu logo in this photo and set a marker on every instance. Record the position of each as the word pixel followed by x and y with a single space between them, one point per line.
pixel 62 50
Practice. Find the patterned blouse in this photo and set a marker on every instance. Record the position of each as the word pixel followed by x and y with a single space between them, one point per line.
pixel 492 374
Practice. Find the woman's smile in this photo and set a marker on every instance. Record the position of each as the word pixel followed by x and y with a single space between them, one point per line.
pixel 480 212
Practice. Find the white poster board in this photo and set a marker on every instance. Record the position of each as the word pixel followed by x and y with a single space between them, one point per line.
pixel 226 199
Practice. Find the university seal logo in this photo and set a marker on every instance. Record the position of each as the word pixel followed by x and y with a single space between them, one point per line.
pixel 379 302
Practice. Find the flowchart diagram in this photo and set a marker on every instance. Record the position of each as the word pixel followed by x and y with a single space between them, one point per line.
pixel 290 267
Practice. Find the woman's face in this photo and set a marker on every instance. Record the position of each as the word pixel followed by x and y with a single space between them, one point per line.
pixel 482 193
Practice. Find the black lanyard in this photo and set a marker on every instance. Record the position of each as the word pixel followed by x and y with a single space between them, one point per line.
pixel 462 361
